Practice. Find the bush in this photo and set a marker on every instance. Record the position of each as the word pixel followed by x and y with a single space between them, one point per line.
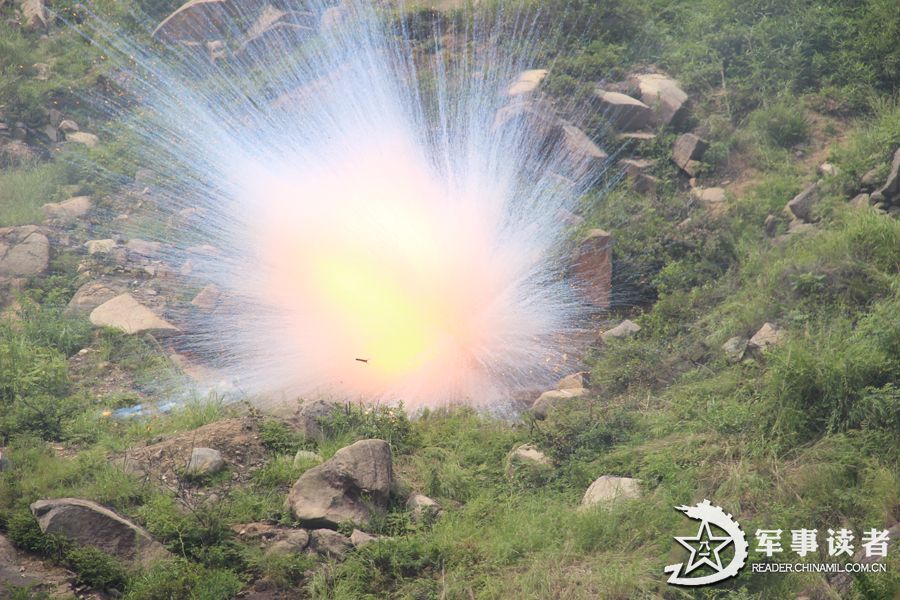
pixel 181 579
pixel 782 124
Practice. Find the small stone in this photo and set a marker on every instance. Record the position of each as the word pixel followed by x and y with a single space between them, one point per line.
pixel 581 379
pixel 770 225
pixel 623 330
pixel 555 398
pixel 735 347
pixel 608 489
pixel 306 457
pixel 527 82
pixel 801 206
pixel 99 246
pixel 423 508
pixel 81 137
pixel 361 538
pixel 330 544
pixel 205 461
pixel 68 126
pixel 688 147
pixel 861 201
pixel 207 298
pixel 528 462
pixel 69 210
pixel 768 335
pixel 713 198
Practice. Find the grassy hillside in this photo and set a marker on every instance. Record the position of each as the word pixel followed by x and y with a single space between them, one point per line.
pixel 805 434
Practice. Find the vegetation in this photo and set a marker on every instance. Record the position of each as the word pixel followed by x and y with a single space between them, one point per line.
pixel 805 434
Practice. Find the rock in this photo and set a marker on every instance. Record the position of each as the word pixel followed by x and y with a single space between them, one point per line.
pixel 801 206
pixel 307 420
pixel 127 314
pixel 81 137
pixel 330 544
pixel 664 97
pixel 305 456
pixel 877 198
pixel 554 398
pixel 891 188
pixel 861 201
pixel 279 36
pixel 581 379
pixel 796 226
pixel 352 485
pixel 42 73
pixel 200 21
pixel 527 82
pixel 767 336
pixel 143 247
pixel 423 508
pixel 68 210
pixel 89 296
pixel 205 461
pixel 528 462
pixel 15 153
pixel 688 147
pixel 5 463
pixel 826 169
pixel 207 298
pixel 361 538
pixel 34 14
pixel 585 156
pixel 735 347
pixel 99 246
pixel 712 199
pixel 624 112
pixel 636 136
pixel 623 330
pixel 870 179
pixel 636 170
pixel 592 266
pixel 89 524
pixel 608 489
pixel 535 116
pixel 332 18
pixel 68 126
pixel 288 542
pixel 770 225
pixel 24 251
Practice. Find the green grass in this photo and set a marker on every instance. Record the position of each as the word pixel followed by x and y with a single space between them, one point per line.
pixel 24 191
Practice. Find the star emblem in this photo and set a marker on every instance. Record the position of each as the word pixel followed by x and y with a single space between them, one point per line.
pixel 705 548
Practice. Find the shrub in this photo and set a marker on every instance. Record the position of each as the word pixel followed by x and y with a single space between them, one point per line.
pixel 179 578
pixel 780 124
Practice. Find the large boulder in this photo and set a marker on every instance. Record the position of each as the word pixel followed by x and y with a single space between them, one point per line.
pixel 353 485
pixel 125 313
pixel 608 489
pixel 198 21
pixel 623 111
pixel 24 251
pixel 890 191
pixel 592 267
pixel 89 296
pixel 625 329
pixel 205 461
pixel 687 151
pixel 664 97
pixel 329 544
pixel 89 524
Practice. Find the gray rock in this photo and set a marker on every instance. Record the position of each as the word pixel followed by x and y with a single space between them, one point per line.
pixel 526 461
pixel 89 296
pixel 330 544
pixel 205 461
pixel 68 210
pixel 288 542
pixel 802 205
pixel 623 330
pixel 553 399
pixel 664 97
pixel 584 155
pixel 34 14
pixel 768 335
pixel 527 82
pixel 891 188
pixel 608 489
pixel 24 251
pixel 624 112
pixel 89 524
pixel 82 137
pixel 100 246
pixel 861 201
pixel 770 225
pixel 308 417
pixel 353 485
pixel 870 179
pixel 581 379
pixel 68 126
pixel 423 508
pixel 712 198
pixel 361 538
pixel 688 147
pixel 127 314
pixel 735 347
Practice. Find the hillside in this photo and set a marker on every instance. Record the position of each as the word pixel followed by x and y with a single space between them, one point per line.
pixel 750 354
